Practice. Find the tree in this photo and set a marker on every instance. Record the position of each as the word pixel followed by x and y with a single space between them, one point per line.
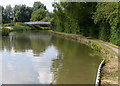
pixel 38 15
pixel 22 13
pixel 0 17
pixel 38 5
pixel 106 16
pixel 2 10
pixel 7 14
pixel 95 19
pixel 48 18
pixel 74 17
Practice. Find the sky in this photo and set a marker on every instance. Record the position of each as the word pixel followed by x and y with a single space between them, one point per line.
pixel 48 3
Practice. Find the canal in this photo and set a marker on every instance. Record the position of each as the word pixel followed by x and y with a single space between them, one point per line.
pixel 39 57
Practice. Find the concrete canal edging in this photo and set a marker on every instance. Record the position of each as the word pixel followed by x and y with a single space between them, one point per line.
pixel 97 83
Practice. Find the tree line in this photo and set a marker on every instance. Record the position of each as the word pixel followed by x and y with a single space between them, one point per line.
pixel 23 13
pixel 94 19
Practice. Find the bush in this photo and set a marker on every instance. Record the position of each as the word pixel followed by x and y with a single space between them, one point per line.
pixel 5 31
pixel 9 24
pixel 114 35
pixel 20 24
pixel 97 47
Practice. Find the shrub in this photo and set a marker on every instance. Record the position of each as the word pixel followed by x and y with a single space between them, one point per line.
pixel 5 31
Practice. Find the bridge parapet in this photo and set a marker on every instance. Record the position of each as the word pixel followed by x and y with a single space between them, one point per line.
pixel 38 23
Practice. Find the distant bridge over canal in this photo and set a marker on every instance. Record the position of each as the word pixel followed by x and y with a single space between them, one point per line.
pixel 38 23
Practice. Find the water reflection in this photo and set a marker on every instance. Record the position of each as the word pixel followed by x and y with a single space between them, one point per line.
pixel 27 68
pixel 75 65
pixel 25 41
pixel 41 58
pixel 0 60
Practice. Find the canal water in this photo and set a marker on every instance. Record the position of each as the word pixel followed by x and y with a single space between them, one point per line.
pixel 39 57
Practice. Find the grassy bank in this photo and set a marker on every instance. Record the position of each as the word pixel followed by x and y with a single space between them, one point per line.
pixel 109 71
pixel 18 26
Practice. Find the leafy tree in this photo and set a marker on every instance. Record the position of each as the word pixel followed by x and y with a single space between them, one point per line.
pixel 22 13
pixel 2 14
pixel 7 14
pixel 106 15
pixel 38 15
pixel 95 19
pixel 74 17
pixel 38 5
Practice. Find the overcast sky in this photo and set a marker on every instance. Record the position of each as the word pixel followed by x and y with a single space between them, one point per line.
pixel 48 3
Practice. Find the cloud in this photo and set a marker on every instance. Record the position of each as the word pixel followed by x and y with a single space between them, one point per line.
pixel 48 3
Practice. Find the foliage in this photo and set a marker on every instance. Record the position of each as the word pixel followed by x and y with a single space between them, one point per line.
pixel 19 26
pixel 8 24
pixel 73 17
pixel 22 13
pixel 38 5
pixel 48 18
pixel 95 46
pixel 7 14
pixel 5 31
pixel 94 19
pixel 106 16
pixel 38 15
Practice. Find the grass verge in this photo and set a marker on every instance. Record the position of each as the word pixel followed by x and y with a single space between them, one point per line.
pixel 19 26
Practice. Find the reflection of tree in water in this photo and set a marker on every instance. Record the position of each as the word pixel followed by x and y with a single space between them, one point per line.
pixel 74 65
pixel 27 41
pixel 56 66
pixel 39 46
pixel 6 43
pixel 0 43
pixel 21 44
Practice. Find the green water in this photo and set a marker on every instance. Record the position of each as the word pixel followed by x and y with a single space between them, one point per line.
pixel 38 57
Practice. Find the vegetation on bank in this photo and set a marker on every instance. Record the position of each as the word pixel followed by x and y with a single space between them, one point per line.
pixel 96 44
pixel 18 26
pixel 5 31
pixel 91 19
pixel 13 18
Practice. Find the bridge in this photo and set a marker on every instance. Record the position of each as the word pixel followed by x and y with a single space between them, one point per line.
pixel 38 23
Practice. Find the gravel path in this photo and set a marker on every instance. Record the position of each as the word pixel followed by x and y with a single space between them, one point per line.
pixel 113 48
pixel 117 50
